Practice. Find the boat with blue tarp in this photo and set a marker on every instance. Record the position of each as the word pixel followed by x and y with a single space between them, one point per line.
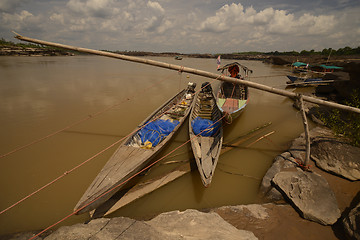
pixel 206 132
pixel 138 149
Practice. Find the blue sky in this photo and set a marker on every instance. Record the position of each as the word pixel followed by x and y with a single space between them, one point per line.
pixel 186 26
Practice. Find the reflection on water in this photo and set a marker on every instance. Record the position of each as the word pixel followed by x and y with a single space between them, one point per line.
pixel 40 95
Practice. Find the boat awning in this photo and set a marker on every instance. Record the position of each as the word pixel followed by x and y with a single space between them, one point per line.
pixel 244 68
pixel 299 64
pixel 331 67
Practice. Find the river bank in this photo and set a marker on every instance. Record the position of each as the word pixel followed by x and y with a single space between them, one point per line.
pixel 277 217
pixel 262 229
pixel 324 208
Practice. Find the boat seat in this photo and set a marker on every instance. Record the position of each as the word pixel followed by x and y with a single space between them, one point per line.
pixel 175 114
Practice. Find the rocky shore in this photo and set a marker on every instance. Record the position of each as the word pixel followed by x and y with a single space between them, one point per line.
pixel 323 203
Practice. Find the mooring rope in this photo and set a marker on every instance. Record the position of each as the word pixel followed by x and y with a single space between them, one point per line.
pixel 78 122
pixel 125 181
pixel 86 161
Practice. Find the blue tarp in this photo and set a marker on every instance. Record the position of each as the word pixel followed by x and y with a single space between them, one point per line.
pixel 155 131
pixel 204 127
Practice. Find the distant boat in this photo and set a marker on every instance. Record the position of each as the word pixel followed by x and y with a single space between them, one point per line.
pixel 206 133
pixel 178 58
pixel 232 98
pixel 299 67
pixel 304 81
pixel 314 71
pixel 138 149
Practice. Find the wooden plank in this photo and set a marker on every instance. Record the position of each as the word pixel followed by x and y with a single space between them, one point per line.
pixel 149 186
pixel 206 159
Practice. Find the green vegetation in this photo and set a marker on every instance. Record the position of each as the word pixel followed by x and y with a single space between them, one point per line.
pixel 325 51
pixel 24 46
pixel 346 123
pixel 5 43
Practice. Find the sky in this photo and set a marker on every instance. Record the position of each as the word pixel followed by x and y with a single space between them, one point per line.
pixel 186 26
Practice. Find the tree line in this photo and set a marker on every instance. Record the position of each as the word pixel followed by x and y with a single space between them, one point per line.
pixel 325 51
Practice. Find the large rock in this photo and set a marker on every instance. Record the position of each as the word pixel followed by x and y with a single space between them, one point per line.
pixel 351 222
pixel 310 194
pixel 190 224
pixel 337 157
pixel 281 163
pixel 274 221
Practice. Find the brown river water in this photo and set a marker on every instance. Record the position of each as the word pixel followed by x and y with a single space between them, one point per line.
pixel 41 95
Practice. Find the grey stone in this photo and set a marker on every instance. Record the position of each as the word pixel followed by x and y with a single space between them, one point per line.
pixel 311 195
pixel 190 224
pixel 281 162
pixel 256 210
pixel 337 157
pixel 351 222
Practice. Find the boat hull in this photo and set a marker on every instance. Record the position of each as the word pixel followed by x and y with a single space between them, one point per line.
pixel 232 103
pixel 130 157
pixel 206 149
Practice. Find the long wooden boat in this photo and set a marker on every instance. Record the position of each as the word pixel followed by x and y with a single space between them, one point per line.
pixel 206 133
pixel 232 98
pixel 307 82
pixel 138 149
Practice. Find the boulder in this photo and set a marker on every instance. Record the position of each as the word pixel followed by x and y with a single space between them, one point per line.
pixel 310 194
pixel 337 157
pixel 190 224
pixel 351 222
pixel 274 221
pixel 281 162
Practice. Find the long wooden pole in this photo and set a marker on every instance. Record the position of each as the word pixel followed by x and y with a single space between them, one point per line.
pixel 306 129
pixel 192 71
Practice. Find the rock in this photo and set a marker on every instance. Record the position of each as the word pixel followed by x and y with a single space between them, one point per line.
pixel 351 222
pixel 281 162
pixel 311 195
pixel 336 157
pixel 190 224
pixel 254 210
pixel 274 221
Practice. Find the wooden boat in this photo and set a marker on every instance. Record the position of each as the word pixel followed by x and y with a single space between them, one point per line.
pixel 232 98
pixel 305 81
pixel 138 149
pixel 206 133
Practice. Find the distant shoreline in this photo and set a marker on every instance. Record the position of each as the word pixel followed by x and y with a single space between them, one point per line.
pixel 8 50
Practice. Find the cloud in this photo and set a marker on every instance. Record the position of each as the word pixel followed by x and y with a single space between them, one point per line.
pixel 156 7
pixel 10 5
pixel 235 17
pixel 186 26
pixel 20 21
pixel 156 22
pixel 93 8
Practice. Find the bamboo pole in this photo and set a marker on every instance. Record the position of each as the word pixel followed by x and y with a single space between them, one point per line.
pixel 192 71
pixel 306 129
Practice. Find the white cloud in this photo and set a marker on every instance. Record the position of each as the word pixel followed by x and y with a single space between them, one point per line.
pixel 156 7
pixel 234 17
pixel 163 25
pixel 21 20
pixel 94 8
pixel 9 5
